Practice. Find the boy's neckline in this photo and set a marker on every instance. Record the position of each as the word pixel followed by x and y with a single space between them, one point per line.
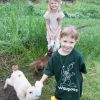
pixel 64 54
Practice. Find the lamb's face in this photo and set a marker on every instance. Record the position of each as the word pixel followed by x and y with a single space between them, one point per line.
pixel 33 93
pixel 30 93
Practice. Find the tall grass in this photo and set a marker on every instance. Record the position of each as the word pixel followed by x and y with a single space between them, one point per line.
pixel 23 39
pixel 19 27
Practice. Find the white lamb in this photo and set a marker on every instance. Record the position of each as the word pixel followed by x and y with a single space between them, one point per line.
pixel 24 90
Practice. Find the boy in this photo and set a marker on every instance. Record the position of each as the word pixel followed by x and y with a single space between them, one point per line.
pixel 67 66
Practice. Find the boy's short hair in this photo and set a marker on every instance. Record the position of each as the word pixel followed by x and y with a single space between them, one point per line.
pixel 59 1
pixel 69 30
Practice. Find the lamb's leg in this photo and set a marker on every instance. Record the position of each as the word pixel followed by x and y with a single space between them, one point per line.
pixel 8 82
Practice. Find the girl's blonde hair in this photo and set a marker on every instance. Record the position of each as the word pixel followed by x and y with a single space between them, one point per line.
pixel 59 1
pixel 69 30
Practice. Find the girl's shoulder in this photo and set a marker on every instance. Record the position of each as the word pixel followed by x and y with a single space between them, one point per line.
pixel 47 12
pixel 46 15
pixel 61 14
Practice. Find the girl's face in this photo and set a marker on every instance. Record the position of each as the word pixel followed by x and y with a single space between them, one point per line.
pixel 67 44
pixel 54 5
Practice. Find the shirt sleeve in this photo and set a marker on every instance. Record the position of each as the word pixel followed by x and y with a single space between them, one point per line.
pixel 61 14
pixel 49 71
pixel 46 15
pixel 82 65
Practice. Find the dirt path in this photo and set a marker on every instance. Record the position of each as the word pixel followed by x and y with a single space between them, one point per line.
pixel 8 94
pixel 1 90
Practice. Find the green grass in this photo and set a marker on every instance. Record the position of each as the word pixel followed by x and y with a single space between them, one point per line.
pixel 23 40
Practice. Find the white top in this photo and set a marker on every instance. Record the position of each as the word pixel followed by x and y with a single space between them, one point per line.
pixel 53 18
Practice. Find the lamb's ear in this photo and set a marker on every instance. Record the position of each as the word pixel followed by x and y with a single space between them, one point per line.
pixel 23 94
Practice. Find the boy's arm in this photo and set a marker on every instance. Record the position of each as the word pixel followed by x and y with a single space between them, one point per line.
pixel 44 77
pixel 49 71
pixel 82 65
pixel 41 81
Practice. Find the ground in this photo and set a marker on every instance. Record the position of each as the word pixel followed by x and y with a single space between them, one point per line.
pixel 5 71
pixel 7 94
pixel 2 90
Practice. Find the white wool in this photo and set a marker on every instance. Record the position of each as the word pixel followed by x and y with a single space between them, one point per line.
pixel 23 87
pixel 38 89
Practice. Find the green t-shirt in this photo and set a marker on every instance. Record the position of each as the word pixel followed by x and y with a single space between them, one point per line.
pixel 68 74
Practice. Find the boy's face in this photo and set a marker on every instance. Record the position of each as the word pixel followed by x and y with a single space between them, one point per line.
pixel 67 43
pixel 54 5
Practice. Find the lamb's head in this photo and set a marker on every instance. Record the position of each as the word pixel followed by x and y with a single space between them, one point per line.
pixel 34 92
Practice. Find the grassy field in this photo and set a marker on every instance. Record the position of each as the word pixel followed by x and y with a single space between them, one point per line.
pixel 23 40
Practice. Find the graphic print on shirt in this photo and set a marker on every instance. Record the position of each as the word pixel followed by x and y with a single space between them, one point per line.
pixel 66 75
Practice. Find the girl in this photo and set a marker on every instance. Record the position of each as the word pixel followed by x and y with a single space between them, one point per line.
pixel 53 18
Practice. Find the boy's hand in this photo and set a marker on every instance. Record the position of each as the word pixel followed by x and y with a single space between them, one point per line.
pixel 38 89
pixel 39 84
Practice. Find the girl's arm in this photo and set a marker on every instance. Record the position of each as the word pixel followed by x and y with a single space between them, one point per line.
pixel 46 16
pixel 47 26
pixel 59 19
pixel 57 32
pixel 49 32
